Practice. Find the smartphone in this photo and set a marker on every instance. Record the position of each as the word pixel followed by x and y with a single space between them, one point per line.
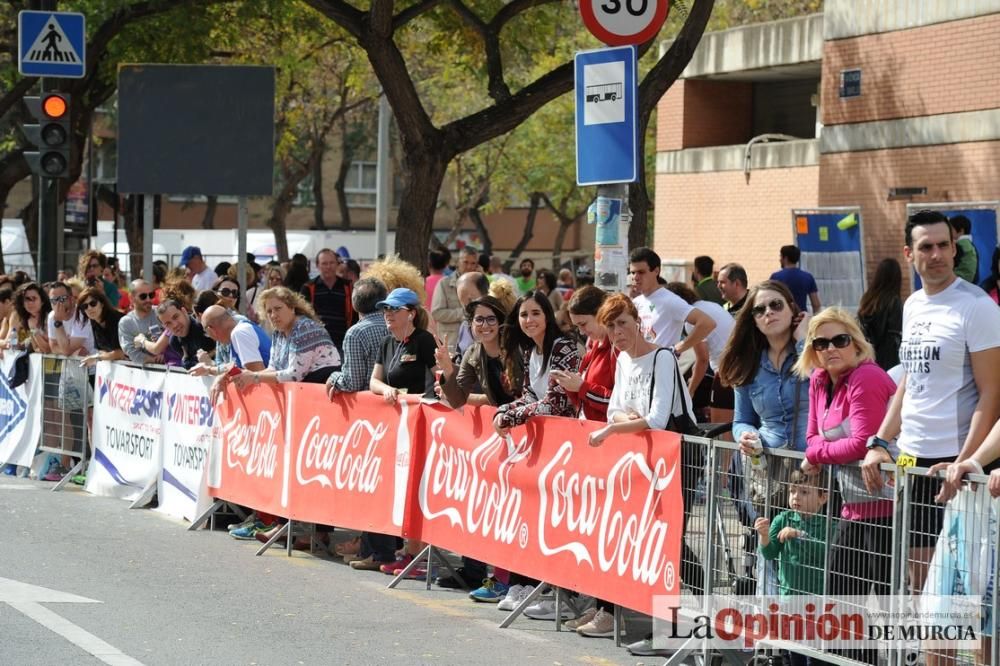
pixel 154 332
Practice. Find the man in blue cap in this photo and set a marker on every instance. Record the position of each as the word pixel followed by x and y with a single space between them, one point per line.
pixel 201 276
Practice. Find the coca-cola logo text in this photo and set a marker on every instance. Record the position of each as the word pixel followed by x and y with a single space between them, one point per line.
pixel 251 447
pixel 602 512
pixel 352 458
pixel 455 484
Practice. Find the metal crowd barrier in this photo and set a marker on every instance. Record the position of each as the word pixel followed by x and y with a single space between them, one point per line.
pixel 894 552
pixel 66 401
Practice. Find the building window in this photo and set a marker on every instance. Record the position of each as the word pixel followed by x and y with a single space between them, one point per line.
pixel 360 186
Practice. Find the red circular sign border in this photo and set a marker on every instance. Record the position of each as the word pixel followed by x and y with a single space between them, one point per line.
pixel 613 39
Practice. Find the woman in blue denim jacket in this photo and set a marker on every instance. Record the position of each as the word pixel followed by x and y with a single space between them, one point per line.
pixel 758 360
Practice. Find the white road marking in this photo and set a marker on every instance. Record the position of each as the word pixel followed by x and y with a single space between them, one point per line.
pixel 27 599
pixel 74 634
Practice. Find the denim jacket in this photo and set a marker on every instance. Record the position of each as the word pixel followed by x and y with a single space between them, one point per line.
pixel 767 404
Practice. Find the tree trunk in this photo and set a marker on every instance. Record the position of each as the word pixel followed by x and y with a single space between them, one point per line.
pixel 134 234
pixel 279 213
pixel 211 205
pixel 529 231
pixel 557 244
pixel 638 201
pixel 29 218
pixel 415 222
pixel 477 219
pixel 319 205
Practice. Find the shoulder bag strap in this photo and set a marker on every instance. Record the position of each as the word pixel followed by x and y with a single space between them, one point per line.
pixel 652 384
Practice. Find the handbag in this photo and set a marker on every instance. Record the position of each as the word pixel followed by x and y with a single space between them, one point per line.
pixel 683 423
pixel 74 388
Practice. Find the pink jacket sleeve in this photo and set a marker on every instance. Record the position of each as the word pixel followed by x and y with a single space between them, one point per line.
pixel 867 393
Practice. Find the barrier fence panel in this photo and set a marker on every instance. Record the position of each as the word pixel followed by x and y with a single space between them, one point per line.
pixel 20 425
pixel 65 411
pixel 643 517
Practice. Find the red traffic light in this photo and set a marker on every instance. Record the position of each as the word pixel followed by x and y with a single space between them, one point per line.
pixel 54 106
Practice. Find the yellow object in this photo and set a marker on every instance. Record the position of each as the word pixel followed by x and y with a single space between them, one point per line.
pixel 847 222
pixel 824 233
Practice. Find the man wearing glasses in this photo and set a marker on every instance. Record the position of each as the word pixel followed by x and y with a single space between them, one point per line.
pixel 141 320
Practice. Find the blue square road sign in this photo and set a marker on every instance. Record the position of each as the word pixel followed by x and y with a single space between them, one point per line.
pixel 51 44
pixel 606 91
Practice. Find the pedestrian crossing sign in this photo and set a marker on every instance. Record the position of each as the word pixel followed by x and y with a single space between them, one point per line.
pixel 51 44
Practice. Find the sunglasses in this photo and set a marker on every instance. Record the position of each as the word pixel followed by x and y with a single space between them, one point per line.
pixel 59 299
pixel 144 296
pixel 777 305
pixel 393 308
pixel 229 293
pixel 838 341
pixel 91 304
pixel 490 320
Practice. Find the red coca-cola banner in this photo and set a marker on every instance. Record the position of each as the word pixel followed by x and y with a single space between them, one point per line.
pixel 250 456
pixel 351 459
pixel 606 521
pixel 290 451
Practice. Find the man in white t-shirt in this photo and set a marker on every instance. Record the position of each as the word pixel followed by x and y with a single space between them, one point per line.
pixel 201 276
pixel 69 335
pixel 949 397
pixel 663 313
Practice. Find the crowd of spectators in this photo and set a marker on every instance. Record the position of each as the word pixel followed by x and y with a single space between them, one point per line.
pixel 918 380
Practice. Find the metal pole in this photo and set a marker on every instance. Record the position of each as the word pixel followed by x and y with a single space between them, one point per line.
pixel 611 258
pixel 383 170
pixel 147 237
pixel 115 211
pixel 241 249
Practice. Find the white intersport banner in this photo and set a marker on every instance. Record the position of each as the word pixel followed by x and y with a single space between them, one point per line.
pixel 20 412
pixel 182 488
pixel 127 432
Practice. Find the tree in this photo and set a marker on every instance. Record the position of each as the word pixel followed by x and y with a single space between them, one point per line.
pixel 498 39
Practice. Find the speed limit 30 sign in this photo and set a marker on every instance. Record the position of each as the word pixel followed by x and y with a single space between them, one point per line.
pixel 622 22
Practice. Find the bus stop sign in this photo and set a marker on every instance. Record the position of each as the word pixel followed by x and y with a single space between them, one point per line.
pixel 606 123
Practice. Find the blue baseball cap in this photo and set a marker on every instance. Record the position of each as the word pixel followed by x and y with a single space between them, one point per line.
pixel 189 253
pixel 399 298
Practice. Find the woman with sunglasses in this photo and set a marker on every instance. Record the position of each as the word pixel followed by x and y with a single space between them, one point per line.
pixel 228 291
pixel 848 398
pixel 771 401
pixel 94 304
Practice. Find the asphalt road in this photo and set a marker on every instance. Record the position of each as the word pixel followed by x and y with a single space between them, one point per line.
pixel 169 596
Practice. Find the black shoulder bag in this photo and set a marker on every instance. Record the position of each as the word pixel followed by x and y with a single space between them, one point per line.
pixel 682 423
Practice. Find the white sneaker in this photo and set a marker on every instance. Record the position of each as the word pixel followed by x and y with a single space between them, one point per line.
pixel 587 616
pixel 602 626
pixel 546 610
pixel 509 602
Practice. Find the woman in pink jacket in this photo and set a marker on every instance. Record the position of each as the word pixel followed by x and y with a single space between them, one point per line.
pixel 848 397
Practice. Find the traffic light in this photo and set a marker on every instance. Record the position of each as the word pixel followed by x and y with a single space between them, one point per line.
pixel 51 135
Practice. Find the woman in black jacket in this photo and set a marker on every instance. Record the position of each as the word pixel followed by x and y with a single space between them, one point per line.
pixel 881 313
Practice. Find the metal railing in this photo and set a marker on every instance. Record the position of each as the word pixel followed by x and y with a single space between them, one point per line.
pixel 902 543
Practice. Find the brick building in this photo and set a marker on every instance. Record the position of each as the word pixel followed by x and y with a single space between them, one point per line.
pixel 918 122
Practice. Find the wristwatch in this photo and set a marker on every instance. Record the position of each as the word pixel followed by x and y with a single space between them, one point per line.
pixel 876 442
pixel 57 323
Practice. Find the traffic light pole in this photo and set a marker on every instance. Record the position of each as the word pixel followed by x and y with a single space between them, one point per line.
pixel 48 219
